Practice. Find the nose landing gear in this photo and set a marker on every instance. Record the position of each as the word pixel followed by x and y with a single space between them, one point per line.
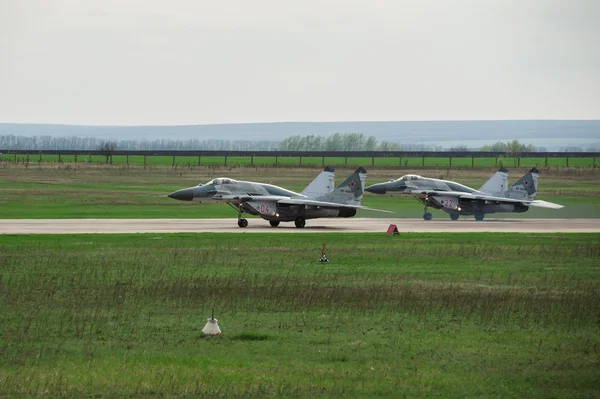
pixel 241 221
pixel 426 215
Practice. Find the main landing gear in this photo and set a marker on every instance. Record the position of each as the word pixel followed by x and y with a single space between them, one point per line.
pixel 479 216
pixel 454 216
pixel 300 222
pixel 274 223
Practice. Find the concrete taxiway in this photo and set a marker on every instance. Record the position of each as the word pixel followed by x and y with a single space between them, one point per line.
pixel 352 225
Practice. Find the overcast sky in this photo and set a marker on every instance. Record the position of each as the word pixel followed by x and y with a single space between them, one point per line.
pixel 146 62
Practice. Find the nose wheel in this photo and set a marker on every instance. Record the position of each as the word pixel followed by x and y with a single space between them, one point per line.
pixel 241 221
pixel 426 215
pixel 300 222
pixel 274 223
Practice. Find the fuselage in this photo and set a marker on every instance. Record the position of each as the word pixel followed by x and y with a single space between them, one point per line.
pixel 259 199
pixel 444 195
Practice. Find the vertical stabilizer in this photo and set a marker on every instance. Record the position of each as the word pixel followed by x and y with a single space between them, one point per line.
pixel 497 184
pixel 322 185
pixel 351 191
pixel 526 187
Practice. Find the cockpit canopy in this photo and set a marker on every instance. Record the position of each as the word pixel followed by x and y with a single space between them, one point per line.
pixel 221 180
pixel 410 177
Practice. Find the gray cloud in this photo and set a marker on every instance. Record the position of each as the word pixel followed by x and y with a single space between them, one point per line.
pixel 185 62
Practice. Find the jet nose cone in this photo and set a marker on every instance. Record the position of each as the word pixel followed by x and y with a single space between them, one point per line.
pixel 185 194
pixel 377 188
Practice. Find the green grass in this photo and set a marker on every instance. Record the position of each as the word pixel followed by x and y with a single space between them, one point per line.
pixel 486 315
pixel 101 191
pixel 406 162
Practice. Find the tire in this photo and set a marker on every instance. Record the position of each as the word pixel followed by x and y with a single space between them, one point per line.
pixel 427 216
pixel 454 216
pixel 479 216
pixel 274 223
pixel 242 223
pixel 300 222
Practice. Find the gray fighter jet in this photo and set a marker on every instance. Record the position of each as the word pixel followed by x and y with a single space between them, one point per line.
pixel 457 199
pixel 277 204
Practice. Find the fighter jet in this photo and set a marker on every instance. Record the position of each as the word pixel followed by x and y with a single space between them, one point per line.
pixel 277 204
pixel 457 199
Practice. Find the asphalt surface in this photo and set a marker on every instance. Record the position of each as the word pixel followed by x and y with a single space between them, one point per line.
pixel 334 225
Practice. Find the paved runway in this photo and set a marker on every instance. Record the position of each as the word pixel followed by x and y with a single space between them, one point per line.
pixel 337 225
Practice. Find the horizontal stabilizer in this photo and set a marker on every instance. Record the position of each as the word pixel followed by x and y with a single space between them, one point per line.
pixel 544 204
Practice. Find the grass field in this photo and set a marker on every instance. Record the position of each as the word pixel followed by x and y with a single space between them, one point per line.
pixel 462 315
pixel 103 191
pixel 407 162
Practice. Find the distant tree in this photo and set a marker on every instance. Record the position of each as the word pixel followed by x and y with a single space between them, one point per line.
pixel 459 148
pixel 108 148
pixel 514 151
pixel 371 143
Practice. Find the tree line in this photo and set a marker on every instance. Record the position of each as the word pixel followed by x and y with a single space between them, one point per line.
pixel 348 142
pixel 12 142
pixel 334 142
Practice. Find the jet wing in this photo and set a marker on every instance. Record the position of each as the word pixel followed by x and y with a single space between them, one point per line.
pixel 325 204
pixel 536 203
pixel 483 197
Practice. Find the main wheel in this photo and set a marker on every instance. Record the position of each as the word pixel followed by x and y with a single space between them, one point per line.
pixel 454 216
pixel 427 216
pixel 274 223
pixel 242 223
pixel 300 222
pixel 479 216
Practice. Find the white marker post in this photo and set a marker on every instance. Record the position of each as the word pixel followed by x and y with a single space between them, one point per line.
pixel 212 327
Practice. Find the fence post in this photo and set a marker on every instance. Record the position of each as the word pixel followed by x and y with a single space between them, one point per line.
pixel 472 162
pixel 567 162
pixel 15 157
pixel 40 157
pixel 546 162
pixel 225 160
pixel 594 163
pixel 59 159
pixel 323 162
pixel 173 163
pixel 276 160
pixel 346 161
pixel 300 162
pixel 423 162
pixel 144 161
pixel 199 160
pixel 27 157
pixel 126 159
pixel 450 161
pixel 75 158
